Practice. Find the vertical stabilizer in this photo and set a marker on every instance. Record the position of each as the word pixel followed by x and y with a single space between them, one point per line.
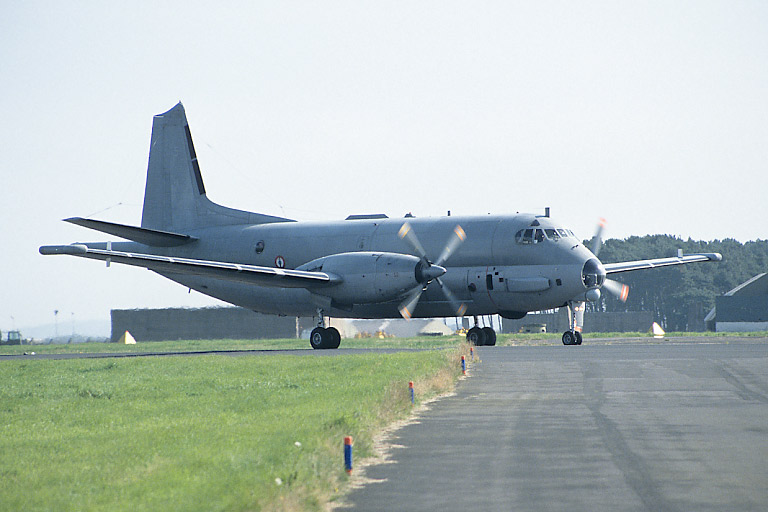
pixel 174 197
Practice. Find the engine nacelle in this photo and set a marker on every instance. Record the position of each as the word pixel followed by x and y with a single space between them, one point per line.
pixel 367 277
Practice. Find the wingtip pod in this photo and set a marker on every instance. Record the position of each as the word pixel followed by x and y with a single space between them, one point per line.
pixel 715 256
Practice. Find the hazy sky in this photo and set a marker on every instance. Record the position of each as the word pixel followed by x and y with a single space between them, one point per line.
pixel 653 115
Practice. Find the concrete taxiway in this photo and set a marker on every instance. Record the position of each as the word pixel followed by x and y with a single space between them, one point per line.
pixel 603 427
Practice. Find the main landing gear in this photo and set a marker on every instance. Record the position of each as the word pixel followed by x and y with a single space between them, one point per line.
pixel 324 337
pixel 479 336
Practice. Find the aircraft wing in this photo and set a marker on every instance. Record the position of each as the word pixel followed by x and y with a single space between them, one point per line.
pixel 627 266
pixel 262 276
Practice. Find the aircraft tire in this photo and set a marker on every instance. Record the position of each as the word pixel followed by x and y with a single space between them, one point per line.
pixel 320 338
pixel 476 336
pixel 490 336
pixel 335 337
pixel 569 338
pixel 579 339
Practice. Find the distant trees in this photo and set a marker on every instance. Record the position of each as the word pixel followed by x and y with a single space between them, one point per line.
pixel 677 294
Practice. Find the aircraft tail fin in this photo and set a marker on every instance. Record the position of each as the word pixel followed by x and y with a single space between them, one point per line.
pixel 174 198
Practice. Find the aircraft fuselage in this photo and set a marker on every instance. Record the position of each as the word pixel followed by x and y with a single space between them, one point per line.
pixel 495 273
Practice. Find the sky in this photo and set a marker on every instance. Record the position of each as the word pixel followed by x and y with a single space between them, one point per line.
pixel 651 114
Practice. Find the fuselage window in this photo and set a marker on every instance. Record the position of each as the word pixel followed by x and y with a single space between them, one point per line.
pixel 563 233
pixel 539 237
pixel 552 234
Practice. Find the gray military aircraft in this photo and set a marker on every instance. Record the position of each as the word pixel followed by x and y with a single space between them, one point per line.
pixel 367 266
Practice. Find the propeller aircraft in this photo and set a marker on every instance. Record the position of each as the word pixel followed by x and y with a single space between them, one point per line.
pixel 366 266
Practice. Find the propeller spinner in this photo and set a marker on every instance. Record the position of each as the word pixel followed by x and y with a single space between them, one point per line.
pixel 426 271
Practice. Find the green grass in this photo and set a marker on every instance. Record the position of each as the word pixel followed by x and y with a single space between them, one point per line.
pixel 198 433
pixel 429 342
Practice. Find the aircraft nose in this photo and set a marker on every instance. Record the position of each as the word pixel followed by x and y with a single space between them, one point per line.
pixel 593 273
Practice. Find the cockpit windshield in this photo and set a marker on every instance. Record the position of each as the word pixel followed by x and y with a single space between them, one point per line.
pixel 537 234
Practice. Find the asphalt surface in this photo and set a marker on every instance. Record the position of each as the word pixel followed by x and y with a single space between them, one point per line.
pixel 602 427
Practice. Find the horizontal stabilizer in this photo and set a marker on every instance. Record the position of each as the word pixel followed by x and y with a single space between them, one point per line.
pixel 152 237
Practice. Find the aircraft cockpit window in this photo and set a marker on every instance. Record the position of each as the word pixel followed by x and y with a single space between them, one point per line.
pixel 524 236
pixel 538 235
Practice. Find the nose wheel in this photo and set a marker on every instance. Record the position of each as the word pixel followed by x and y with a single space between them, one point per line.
pixel 575 320
pixel 572 338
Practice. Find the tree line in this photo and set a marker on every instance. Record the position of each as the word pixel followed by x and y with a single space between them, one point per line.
pixel 676 295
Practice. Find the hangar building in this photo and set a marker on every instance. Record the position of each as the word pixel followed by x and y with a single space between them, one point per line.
pixel 743 309
pixel 203 324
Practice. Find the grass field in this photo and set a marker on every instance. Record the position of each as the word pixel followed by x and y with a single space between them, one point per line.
pixel 208 345
pixel 198 433
pixel 302 344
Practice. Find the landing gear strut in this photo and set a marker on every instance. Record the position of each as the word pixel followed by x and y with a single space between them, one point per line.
pixel 575 318
pixel 479 336
pixel 322 337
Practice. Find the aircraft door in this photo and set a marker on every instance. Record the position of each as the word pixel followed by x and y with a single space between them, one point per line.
pixel 478 281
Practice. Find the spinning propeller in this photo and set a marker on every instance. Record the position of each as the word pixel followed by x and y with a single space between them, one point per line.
pixel 427 271
pixel 619 290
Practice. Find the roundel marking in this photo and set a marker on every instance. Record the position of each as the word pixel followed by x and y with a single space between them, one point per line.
pixel 280 262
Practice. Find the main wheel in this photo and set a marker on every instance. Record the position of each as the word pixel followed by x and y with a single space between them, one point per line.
pixel 476 336
pixel 490 336
pixel 335 337
pixel 569 338
pixel 320 338
pixel 578 338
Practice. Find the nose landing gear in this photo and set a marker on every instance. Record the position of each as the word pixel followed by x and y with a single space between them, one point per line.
pixel 572 338
pixel 575 320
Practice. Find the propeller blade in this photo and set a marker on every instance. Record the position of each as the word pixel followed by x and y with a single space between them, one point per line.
pixel 457 238
pixel 409 304
pixel 598 239
pixel 407 234
pixel 620 290
pixel 459 308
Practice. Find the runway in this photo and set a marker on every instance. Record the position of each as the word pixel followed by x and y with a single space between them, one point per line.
pixel 602 427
